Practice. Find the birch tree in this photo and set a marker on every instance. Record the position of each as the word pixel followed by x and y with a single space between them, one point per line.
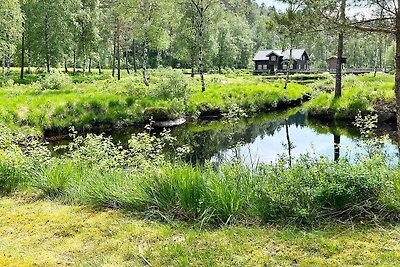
pixel 10 31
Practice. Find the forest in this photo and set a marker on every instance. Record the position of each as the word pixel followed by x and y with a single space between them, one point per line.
pixel 131 34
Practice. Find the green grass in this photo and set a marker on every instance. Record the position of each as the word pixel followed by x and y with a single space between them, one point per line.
pixel 99 101
pixel 251 97
pixel 365 94
pixel 96 172
pixel 42 233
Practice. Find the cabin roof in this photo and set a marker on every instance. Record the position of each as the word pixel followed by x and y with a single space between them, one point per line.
pixel 296 54
pixel 263 54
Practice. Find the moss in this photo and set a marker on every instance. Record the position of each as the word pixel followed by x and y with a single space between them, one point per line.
pixel 42 233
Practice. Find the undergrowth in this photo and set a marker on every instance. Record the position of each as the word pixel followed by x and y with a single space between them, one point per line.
pixel 94 171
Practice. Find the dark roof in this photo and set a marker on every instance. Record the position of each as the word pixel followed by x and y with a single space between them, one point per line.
pixel 296 54
pixel 262 55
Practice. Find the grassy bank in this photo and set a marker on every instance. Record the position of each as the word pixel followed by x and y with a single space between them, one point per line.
pixel 94 171
pixel 43 233
pixel 53 103
pixel 365 94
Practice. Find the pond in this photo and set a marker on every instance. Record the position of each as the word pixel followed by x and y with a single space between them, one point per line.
pixel 264 138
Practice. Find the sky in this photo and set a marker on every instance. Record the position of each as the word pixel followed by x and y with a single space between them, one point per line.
pixel 276 4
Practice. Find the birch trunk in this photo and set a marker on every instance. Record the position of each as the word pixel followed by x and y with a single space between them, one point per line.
pixel 114 44
pixel 145 59
pixel 74 71
pixel 3 64
pixel 127 60
pixel 47 43
pixel 397 78
pixel 118 50
pixel 8 67
pixel 134 55
pixel 201 29
pixel 22 52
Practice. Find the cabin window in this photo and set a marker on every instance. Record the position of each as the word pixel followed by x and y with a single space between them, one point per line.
pixel 259 67
pixel 273 58
pixel 265 67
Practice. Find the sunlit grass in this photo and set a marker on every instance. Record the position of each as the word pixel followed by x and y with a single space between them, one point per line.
pixel 102 101
pixel 43 233
pixel 365 94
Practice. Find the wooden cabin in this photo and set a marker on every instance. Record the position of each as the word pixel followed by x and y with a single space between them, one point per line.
pixel 273 61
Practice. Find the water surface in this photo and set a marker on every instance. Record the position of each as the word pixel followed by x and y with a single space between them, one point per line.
pixel 264 138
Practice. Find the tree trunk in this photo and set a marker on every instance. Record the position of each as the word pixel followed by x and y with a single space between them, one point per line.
pixel 376 61
pixel 127 60
pixel 118 51
pixel 145 59
pixel 22 51
pixel 158 58
pixel 338 85
pixel 397 78
pixel 289 63
pixel 201 29
pixel 193 62
pixel 29 61
pixel 3 64
pixel 134 55
pixel 339 62
pixel 47 42
pixel 8 67
pixel 115 47
pixel 74 71
pixel 65 66
pixel 84 59
pixel 90 64
pixel 99 67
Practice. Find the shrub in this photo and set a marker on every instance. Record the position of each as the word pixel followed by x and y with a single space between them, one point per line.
pixel 55 81
pixel 172 85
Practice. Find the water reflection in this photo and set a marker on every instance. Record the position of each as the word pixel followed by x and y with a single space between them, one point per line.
pixel 263 139
pixel 267 138
pixel 336 146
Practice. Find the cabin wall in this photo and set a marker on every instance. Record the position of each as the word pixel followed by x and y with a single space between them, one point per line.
pixel 301 64
pixel 267 65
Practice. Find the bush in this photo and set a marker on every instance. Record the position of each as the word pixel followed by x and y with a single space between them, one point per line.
pixel 172 85
pixel 55 81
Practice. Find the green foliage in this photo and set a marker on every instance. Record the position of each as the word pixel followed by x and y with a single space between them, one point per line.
pixel 100 101
pixel 95 171
pixel 55 81
pixel 173 84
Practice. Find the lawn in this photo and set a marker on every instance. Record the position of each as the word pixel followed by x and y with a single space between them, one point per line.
pixel 43 233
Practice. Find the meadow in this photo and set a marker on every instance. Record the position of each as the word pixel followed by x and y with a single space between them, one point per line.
pixel 137 206
pixel 365 93
pixel 56 102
